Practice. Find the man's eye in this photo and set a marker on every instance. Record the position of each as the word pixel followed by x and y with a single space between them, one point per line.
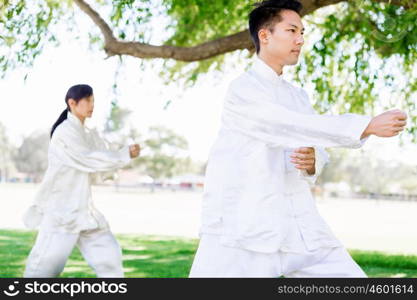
pixel 292 30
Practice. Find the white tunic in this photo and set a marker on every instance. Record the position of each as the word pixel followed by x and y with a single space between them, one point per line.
pixel 254 197
pixel 63 202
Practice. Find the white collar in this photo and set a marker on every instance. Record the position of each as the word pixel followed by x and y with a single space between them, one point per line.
pixel 74 120
pixel 265 71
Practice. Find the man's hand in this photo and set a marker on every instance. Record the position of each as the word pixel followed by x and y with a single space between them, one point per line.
pixel 134 150
pixel 304 159
pixel 388 124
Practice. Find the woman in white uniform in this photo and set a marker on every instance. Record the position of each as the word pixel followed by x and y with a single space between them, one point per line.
pixel 63 209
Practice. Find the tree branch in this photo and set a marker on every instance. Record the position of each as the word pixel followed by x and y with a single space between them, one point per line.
pixel 206 50
pixel 98 20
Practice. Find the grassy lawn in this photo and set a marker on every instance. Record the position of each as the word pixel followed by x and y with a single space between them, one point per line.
pixel 157 256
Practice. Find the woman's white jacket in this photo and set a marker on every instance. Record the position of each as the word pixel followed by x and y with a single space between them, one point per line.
pixel 63 201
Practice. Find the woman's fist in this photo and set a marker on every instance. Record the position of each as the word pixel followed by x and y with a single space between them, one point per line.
pixel 134 150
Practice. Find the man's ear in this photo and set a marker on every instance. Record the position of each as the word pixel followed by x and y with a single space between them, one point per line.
pixel 263 35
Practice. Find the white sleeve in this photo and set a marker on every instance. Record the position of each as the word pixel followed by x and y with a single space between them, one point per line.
pixel 248 109
pixel 322 156
pixel 101 144
pixel 75 152
pixel 98 142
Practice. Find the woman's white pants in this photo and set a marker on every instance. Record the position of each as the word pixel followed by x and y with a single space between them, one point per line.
pixel 51 250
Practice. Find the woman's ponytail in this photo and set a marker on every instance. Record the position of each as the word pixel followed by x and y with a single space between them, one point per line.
pixel 62 118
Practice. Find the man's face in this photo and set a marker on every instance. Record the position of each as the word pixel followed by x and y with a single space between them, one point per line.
pixel 282 43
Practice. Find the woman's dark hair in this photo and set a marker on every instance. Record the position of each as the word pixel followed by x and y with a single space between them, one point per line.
pixel 267 13
pixel 76 92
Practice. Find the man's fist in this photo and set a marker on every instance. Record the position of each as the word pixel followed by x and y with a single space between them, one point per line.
pixel 134 150
pixel 304 159
pixel 388 124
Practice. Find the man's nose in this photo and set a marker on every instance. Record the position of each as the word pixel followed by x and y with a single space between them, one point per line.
pixel 300 40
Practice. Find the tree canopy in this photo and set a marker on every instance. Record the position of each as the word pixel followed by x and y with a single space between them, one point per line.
pixel 360 55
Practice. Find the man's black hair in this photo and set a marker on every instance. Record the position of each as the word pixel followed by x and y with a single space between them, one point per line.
pixel 267 13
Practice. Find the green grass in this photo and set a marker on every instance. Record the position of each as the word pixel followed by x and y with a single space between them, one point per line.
pixel 156 256
pixel 377 264
pixel 143 256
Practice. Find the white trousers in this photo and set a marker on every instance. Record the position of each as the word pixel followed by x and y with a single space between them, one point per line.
pixel 212 259
pixel 51 250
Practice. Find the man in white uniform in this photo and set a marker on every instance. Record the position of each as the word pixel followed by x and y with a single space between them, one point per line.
pixel 259 217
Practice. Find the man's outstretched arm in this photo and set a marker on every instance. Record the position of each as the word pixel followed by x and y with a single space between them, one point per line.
pixel 253 111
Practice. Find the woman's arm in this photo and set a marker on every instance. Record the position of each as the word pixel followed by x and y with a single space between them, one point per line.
pixel 75 152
